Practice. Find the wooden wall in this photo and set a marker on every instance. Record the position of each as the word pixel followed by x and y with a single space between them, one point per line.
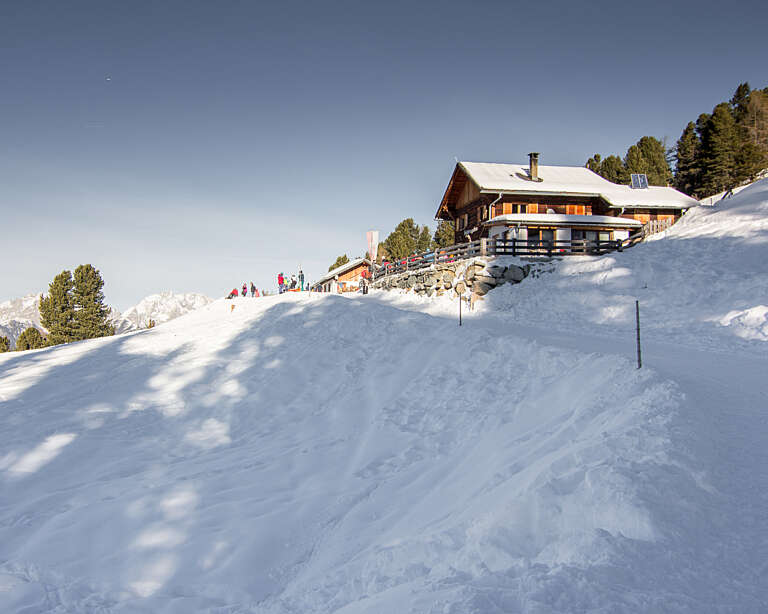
pixel 353 274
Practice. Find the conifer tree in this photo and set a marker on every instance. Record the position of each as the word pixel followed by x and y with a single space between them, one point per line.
pixel 687 155
pixel 756 118
pixel 5 344
pixel 593 164
pixel 57 310
pixel 424 242
pixel 655 160
pixel 444 234
pixel 407 238
pixel 91 314
pixel 739 102
pixel 634 161
pixel 613 169
pixel 719 146
pixel 340 261
pixel 30 339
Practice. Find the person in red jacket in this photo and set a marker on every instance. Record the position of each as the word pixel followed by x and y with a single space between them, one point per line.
pixel 280 282
pixel 245 289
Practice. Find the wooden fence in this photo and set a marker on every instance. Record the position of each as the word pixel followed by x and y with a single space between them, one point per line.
pixel 524 248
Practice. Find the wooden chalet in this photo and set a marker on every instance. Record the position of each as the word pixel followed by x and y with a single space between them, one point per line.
pixel 546 203
pixel 345 278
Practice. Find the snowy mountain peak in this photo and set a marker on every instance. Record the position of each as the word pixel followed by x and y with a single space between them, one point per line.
pixel 160 308
pixel 20 313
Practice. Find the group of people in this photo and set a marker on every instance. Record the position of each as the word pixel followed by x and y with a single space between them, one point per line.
pixel 285 284
pixel 254 291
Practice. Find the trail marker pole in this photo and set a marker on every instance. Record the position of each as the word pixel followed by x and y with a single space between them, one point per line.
pixel 637 323
pixel 460 300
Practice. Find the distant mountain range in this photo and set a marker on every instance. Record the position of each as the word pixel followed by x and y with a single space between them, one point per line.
pixel 161 308
pixel 21 313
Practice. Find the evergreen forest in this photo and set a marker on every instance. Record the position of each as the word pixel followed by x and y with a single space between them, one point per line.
pixel 716 152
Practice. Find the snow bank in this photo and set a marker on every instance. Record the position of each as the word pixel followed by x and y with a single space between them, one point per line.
pixel 320 454
pixel 703 283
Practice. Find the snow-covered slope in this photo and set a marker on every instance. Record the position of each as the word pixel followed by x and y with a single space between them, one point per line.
pixel 161 308
pixel 366 455
pixel 704 282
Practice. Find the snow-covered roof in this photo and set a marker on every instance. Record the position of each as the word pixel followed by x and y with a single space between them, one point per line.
pixel 557 219
pixel 340 270
pixel 571 180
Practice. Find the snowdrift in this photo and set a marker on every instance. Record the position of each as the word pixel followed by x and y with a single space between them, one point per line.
pixel 322 455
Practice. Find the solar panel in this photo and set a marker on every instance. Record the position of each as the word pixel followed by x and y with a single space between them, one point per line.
pixel 639 181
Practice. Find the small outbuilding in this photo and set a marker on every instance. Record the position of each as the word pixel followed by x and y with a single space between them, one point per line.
pixel 345 278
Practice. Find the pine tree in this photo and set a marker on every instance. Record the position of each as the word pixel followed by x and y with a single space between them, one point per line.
pixel 407 238
pixel 739 102
pixel 91 314
pixel 687 155
pixel 756 118
pixel 5 344
pixel 654 156
pixel 751 117
pixel 30 339
pixel 424 242
pixel 593 164
pixel 340 261
pixel 634 161
pixel 719 145
pixel 613 169
pixel 57 310
pixel 381 253
pixel 444 234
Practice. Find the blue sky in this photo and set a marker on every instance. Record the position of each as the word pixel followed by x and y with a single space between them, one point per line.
pixel 191 146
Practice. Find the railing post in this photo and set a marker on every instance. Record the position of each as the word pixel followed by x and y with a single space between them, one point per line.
pixel 549 249
pixel 483 247
pixel 513 245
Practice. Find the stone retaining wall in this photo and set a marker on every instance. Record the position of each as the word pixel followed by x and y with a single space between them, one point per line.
pixel 476 276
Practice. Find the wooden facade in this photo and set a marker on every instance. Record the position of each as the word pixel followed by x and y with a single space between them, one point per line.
pixel 345 278
pixel 475 211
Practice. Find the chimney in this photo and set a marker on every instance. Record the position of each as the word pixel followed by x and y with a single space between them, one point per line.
pixel 533 162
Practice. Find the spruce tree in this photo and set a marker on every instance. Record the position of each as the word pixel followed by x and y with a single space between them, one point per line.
pixel 57 310
pixel 5 344
pixel 444 234
pixel 91 314
pixel 687 155
pixel 720 143
pixel 340 261
pixel 30 339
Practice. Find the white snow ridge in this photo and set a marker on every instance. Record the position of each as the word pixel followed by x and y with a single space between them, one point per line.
pixel 318 453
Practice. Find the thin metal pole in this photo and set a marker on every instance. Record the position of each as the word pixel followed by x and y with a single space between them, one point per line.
pixel 637 322
pixel 459 310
